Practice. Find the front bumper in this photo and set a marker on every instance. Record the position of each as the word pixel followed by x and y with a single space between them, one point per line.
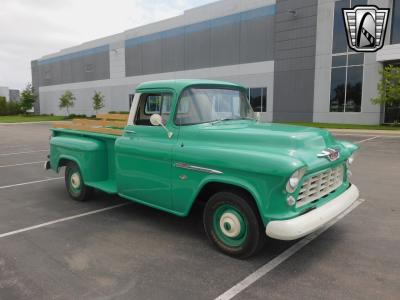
pixel 305 224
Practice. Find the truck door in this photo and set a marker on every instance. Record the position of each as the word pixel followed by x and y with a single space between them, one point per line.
pixel 144 153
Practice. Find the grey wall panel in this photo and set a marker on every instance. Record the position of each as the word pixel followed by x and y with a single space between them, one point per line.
pixel 257 40
pixel 133 61
pixel 295 44
pixel 41 75
pixel 66 73
pixel 56 70
pixel 173 53
pixel 198 49
pixel 101 66
pixel 296 34
pixel 293 97
pixel 45 75
pixel 89 67
pixel 152 57
pixel 224 45
pixel 77 70
pixel 35 84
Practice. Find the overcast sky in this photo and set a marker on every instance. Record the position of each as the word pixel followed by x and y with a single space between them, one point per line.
pixel 30 29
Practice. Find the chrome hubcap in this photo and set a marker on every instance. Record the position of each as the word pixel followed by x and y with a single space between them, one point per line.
pixel 230 225
pixel 75 181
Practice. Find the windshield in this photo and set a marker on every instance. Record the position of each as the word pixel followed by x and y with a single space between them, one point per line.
pixel 203 105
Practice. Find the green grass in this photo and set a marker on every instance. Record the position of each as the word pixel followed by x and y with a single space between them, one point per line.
pixel 347 126
pixel 23 118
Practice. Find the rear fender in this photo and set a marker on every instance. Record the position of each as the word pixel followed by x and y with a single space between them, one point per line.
pixel 89 154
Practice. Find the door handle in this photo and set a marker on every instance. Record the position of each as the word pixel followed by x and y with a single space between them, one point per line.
pixel 130 131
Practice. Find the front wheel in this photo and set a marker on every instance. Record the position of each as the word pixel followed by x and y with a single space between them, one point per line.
pixel 76 187
pixel 232 224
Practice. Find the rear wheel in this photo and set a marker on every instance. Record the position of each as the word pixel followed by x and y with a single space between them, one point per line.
pixel 232 224
pixel 76 187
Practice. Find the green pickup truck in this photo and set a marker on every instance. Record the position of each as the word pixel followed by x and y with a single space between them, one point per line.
pixel 199 141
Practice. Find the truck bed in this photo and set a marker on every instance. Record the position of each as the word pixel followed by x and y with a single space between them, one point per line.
pixel 112 124
pixel 92 149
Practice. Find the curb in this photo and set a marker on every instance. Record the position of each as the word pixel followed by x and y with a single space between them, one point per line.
pixel 38 122
pixel 367 132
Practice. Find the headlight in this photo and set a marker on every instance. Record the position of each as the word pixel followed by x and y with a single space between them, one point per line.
pixel 350 160
pixel 294 180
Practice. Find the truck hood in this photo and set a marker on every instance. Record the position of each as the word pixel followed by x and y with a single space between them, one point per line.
pixel 302 143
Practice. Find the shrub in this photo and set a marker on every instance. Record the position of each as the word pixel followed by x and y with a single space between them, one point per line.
pixel 9 108
pixel 119 112
pixel 76 116
pixel 13 108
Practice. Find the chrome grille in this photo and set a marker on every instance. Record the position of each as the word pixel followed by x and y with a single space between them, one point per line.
pixel 320 185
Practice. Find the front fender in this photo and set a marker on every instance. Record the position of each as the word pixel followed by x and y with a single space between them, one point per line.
pixel 262 188
pixel 238 182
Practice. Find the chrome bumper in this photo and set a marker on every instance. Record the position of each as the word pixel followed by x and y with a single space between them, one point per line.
pixel 305 224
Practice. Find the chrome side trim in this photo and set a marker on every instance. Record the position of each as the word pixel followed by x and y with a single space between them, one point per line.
pixel 197 168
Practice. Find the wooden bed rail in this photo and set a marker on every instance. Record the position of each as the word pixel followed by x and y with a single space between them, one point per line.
pixel 104 123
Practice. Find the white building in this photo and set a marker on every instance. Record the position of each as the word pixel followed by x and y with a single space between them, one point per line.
pixel 291 54
pixel 5 92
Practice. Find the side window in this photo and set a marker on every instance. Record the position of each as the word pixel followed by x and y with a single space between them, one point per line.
pixel 155 103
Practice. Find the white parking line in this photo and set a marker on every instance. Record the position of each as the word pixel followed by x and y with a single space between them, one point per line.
pixel 23 152
pixel 60 220
pixel 3 147
pixel 29 182
pixel 265 269
pixel 23 164
pixel 369 139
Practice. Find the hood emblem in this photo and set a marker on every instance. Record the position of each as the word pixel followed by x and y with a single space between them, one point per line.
pixel 329 153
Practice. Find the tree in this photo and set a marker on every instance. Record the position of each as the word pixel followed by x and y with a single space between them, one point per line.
pixel 66 101
pixel 3 106
pixel 389 88
pixel 98 101
pixel 28 98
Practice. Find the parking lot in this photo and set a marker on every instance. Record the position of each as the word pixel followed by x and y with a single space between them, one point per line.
pixel 52 247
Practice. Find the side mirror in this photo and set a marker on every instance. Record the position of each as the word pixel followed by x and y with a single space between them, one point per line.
pixel 156 120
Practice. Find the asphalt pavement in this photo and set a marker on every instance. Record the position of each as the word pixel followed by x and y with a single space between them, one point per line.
pixel 52 247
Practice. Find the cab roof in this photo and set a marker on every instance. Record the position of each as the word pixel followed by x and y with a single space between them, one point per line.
pixel 180 84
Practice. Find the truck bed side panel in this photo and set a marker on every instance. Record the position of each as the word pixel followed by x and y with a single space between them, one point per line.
pixel 90 154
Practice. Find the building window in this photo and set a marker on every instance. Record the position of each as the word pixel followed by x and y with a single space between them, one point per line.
pixel 346 82
pixel 339 31
pixel 258 99
pixel 395 35
pixel 347 65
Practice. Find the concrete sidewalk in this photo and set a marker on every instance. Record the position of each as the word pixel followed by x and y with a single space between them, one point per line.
pixel 368 132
